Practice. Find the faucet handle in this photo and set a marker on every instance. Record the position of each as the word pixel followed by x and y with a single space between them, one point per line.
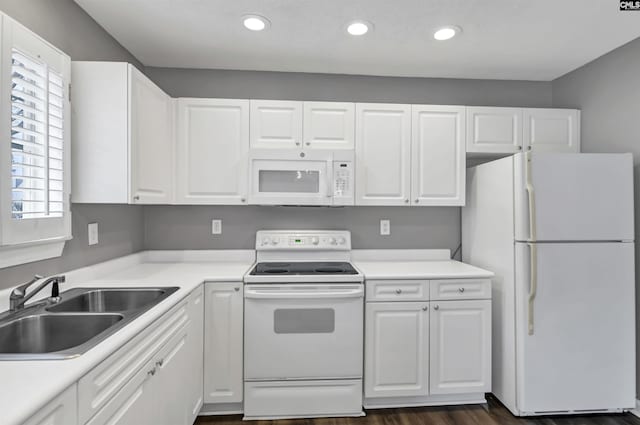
pixel 55 289
pixel 20 290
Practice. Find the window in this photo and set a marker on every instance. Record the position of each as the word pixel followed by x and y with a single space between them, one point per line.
pixel 34 148
pixel 37 136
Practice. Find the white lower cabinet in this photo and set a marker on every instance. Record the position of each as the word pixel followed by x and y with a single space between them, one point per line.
pixel 62 410
pixel 460 352
pixel 154 379
pixel 223 342
pixel 428 351
pixel 396 349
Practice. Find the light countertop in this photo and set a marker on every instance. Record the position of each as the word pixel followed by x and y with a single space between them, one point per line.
pixel 420 269
pixel 26 386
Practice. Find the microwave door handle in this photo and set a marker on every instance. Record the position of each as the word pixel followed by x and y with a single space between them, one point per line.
pixel 329 178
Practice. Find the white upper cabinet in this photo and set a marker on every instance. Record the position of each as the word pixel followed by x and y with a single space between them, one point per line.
pixel 328 125
pixel 151 113
pixel 552 130
pixel 494 130
pixel 383 154
pixel 213 142
pixel 122 136
pixel 460 350
pixel 438 155
pixel 276 124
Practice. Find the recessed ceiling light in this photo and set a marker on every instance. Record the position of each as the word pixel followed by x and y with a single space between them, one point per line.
pixel 446 33
pixel 255 22
pixel 359 27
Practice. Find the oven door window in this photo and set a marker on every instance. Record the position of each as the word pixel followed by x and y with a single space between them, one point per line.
pixel 304 320
pixel 289 181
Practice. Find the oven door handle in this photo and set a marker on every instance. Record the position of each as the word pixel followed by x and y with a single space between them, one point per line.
pixel 311 293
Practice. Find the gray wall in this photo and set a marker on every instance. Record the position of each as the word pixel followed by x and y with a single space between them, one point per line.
pixel 67 26
pixel 349 88
pixel 415 227
pixel 189 227
pixel 607 91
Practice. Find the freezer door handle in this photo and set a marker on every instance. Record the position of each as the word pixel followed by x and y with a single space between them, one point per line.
pixel 533 284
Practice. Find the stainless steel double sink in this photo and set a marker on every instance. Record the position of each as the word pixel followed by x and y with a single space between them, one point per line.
pixel 80 320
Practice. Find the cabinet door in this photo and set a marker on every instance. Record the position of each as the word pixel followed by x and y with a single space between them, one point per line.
pixel 396 349
pixel 170 382
pixel 552 130
pixel 383 154
pixel 438 155
pixel 194 389
pixel 213 141
pixel 460 353
pixel 151 118
pixel 134 404
pixel 62 410
pixel 223 342
pixel 494 130
pixel 328 125
pixel 276 124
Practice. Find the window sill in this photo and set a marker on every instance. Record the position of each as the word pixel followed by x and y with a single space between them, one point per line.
pixel 14 255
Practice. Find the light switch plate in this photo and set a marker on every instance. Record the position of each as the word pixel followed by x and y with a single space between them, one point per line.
pixel 216 227
pixel 92 232
pixel 385 227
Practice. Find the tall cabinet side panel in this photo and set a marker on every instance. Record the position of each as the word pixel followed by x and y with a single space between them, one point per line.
pixel 488 242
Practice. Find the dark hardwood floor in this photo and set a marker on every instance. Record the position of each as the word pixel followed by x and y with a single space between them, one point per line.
pixel 493 413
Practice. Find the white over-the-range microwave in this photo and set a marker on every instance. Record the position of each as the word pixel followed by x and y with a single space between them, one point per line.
pixel 318 177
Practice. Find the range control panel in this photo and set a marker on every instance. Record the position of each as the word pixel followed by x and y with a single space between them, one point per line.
pixel 339 240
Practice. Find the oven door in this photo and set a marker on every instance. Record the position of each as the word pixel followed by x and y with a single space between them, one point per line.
pixel 285 178
pixel 303 331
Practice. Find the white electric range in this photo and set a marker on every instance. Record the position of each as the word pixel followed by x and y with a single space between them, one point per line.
pixel 303 327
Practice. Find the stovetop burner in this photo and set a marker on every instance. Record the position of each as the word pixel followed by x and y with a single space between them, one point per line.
pixel 303 268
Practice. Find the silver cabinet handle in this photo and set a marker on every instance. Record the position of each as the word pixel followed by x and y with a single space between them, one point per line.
pixel 308 143
pixel 425 308
pixel 461 290
pixel 243 200
pixel 437 307
pixel 417 201
pixel 406 201
pixel 237 289
pixel 398 291
pixel 297 143
pixel 136 198
pixel 152 372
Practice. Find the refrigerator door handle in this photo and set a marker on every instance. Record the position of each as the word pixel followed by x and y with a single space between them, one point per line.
pixel 532 198
pixel 533 284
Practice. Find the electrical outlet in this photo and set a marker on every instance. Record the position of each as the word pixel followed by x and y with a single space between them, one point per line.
pixel 385 227
pixel 92 231
pixel 216 227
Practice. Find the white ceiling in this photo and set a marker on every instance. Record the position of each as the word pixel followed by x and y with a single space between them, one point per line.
pixel 501 39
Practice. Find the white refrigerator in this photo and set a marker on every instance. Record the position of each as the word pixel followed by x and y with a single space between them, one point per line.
pixel 557 230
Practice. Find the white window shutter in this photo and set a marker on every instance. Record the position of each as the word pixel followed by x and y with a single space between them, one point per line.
pixel 34 167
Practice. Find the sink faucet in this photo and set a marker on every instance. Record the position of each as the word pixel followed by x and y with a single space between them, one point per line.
pixel 19 297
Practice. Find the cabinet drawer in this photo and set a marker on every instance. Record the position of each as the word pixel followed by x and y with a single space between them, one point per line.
pixel 397 290
pixel 102 383
pixel 460 289
pixel 269 399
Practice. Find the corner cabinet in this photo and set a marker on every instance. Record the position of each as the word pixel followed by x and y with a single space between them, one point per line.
pixel 212 146
pixel 223 342
pixel 427 342
pixel 438 155
pixel 122 136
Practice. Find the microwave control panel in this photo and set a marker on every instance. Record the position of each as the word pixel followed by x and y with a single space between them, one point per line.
pixel 343 182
